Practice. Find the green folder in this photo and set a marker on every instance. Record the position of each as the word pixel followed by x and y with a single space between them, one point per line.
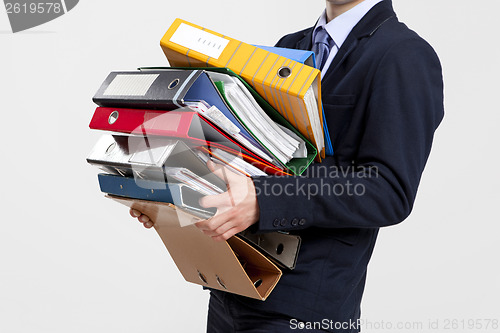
pixel 295 166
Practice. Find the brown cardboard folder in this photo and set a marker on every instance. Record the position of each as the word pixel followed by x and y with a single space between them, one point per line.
pixel 232 266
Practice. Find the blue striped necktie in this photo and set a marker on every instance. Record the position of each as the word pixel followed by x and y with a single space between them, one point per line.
pixel 321 47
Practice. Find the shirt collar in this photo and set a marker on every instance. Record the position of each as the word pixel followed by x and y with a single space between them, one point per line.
pixel 341 26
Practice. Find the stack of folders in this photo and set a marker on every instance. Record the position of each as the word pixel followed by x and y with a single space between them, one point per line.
pixel 163 124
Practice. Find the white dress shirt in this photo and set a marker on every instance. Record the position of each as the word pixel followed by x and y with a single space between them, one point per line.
pixel 341 26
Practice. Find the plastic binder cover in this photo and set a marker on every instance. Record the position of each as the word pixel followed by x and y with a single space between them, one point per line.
pixel 233 266
pixel 303 56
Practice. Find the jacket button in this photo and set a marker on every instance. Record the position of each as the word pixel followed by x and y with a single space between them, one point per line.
pixel 302 221
pixel 294 222
pixel 283 222
pixel 276 222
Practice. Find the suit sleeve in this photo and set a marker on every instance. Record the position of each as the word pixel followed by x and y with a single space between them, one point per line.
pixel 405 107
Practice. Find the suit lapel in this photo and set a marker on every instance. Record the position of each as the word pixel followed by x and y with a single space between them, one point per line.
pixel 306 42
pixel 348 46
pixel 370 23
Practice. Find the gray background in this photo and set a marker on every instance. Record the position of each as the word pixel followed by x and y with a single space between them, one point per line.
pixel 73 261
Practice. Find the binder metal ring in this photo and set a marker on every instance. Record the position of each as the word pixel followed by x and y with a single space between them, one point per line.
pixel 121 172
pixel 284 72
pixel 139 174
pixel 113 117
pixel 280 248
pixel 173 84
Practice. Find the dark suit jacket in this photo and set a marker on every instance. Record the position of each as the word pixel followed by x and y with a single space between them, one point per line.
pixel 383 99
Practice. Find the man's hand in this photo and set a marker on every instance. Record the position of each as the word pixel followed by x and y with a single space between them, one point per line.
pixel 144 219
pixel 237 209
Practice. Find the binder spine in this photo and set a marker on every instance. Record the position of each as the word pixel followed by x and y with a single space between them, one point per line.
pixel 147 90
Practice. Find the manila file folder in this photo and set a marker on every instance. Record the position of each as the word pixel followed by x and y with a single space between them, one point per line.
pixel 233 266
pixel 292 88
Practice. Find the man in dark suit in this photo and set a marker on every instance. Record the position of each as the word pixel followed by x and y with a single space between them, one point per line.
pixel 382 93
